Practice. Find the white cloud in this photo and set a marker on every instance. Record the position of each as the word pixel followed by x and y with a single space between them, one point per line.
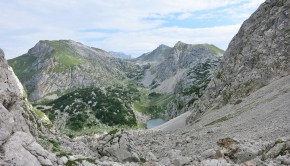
pixel 184 16
pixel 238 12
pixel 138 25
pixel 137 43
pixel 252 4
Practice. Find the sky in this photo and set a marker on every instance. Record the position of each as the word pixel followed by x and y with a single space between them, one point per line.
pixel 130 26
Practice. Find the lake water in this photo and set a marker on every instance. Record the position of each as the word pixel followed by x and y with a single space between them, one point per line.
pixel 154 123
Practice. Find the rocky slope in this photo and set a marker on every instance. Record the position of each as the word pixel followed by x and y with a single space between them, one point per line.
pixel 257 55
pixel 53 67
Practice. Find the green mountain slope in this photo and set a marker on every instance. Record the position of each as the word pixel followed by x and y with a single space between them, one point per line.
pixel 53 67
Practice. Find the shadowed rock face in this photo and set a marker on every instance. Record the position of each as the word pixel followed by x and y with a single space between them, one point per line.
pixel 257 55
pixel 18 146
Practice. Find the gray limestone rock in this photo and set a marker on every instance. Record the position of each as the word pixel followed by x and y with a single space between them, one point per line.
pixel 150 157
pixel 165 161
pixel 274 151
pixel 40 50
pixel 22 149
pixel 210 153
pixel 181 160
pixel 215 162
pixel 18 122
pixel 120 146
pixel 63 160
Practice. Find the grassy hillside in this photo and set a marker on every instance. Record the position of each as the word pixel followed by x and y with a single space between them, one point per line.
pixel 215 49
pixel 22 66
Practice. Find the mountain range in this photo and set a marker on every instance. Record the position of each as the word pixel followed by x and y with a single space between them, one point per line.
pixel 167 81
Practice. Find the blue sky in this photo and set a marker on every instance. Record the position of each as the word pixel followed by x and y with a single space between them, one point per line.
pixel 129 26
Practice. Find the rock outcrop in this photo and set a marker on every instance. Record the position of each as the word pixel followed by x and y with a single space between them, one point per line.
pixel 257 55
pixel 19 124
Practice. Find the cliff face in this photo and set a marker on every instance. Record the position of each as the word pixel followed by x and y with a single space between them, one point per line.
pixel 257 55
pixel 19 124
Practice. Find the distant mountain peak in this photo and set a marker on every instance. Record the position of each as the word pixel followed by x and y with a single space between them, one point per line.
pixel 120 55
pixel 180 43
pixel 162 46
pixel 156 55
